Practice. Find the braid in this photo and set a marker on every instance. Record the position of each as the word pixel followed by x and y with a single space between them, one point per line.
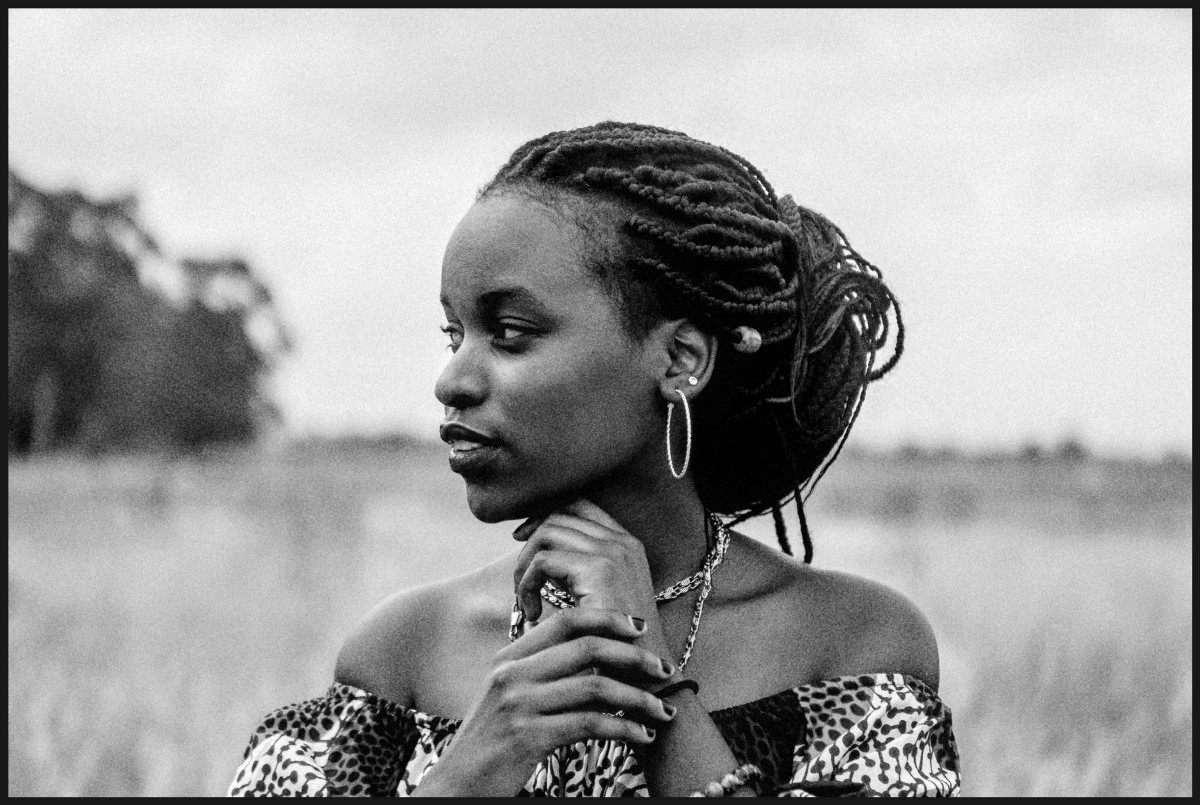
pixel 781 529
pixel 804 535
pixel 701 234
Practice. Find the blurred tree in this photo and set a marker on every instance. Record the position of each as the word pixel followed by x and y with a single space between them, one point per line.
pixel 113 346
pixel 1031 452
pixel 1071 449
pixel 1177 459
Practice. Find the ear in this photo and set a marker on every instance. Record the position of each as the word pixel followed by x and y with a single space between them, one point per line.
pixel 688 352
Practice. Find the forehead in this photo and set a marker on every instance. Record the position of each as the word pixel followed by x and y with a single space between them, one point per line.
pixel 510 242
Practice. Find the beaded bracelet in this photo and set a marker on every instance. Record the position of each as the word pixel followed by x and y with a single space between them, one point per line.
pixel 746 774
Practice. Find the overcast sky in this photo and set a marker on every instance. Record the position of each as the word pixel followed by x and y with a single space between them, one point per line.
pixel 1022 178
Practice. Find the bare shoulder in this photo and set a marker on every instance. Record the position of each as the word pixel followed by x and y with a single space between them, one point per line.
pixel 379 655
pixel 844 624
pixel 399 643
pixel 890 634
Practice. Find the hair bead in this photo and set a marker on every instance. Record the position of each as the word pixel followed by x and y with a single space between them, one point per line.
pixel 748 339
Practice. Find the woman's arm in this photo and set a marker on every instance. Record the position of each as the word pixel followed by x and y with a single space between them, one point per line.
pixel 554 686
pixel 688 753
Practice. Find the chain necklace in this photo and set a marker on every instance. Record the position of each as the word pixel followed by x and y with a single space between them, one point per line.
pixel 701 578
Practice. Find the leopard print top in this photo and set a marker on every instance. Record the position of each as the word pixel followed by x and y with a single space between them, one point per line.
pixel 878 734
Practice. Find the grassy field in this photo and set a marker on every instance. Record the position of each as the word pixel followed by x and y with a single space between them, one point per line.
pixel 157 608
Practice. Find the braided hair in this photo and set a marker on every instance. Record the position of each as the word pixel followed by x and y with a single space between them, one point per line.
pixel 700 234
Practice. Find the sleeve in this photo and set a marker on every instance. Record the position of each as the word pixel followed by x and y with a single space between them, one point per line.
pixel 881 735
pixel 346 743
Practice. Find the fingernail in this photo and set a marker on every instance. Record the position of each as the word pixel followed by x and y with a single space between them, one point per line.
pixel 639 625
pixel 526 529
pixel 649 732
pixel 669 709
pixel 668 669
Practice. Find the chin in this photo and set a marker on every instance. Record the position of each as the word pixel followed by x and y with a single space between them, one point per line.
pixel 488 513
pixel 492 505
pixel 489 506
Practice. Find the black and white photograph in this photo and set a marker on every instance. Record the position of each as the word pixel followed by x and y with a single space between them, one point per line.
pixel 600 402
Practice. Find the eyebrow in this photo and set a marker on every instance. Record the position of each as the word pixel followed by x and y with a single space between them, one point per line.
pixel 493 299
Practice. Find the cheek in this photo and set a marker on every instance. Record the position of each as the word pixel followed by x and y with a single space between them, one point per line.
pixel 598 410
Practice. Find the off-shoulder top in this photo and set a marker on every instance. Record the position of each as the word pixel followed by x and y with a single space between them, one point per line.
pixel 876 734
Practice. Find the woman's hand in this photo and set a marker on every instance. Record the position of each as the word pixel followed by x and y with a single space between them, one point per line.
pixel 555 686
pixel 587 553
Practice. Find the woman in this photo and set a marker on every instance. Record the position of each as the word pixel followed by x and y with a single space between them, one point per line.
pixel 613 284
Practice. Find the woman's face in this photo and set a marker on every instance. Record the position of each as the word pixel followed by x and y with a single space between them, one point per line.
pixel 553 399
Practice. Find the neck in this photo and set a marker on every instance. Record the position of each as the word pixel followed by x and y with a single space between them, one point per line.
pixel 667 517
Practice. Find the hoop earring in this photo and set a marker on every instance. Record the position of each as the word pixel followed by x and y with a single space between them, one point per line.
pixel 687 455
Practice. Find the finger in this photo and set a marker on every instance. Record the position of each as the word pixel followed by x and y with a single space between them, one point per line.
pixel 522 532
pixel 601 693
pixel 569 624
pixel 583 525
pixel 581 725
pixel 550 537
pixel 563 567
pixel 588 510
pixel 613 658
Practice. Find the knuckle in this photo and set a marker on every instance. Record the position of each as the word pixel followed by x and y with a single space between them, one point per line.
pixel 590 647
pixel 503 676
pixel 593 686
pixel 510 698
pixel 520 723
pixel 593 722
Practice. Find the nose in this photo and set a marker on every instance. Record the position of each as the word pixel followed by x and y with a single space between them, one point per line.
pixel 462 383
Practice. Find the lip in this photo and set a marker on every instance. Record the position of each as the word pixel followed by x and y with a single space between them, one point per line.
pixel 471 452
pixel 451 432
pixel 477 460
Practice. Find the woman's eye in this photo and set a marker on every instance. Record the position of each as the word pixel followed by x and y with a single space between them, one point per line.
pixel 506 336
pixel 509 332
pixel 512 336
